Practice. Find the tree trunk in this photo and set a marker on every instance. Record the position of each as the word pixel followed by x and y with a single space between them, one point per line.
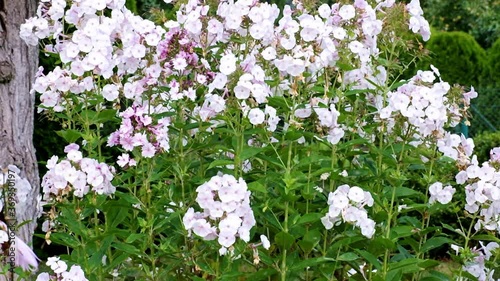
pixel 18 65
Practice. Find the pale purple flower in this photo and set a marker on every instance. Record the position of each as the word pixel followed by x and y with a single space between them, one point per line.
pixel 265 242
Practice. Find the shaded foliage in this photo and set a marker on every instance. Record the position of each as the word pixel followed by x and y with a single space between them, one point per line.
pixel 459 57
pixel 480 18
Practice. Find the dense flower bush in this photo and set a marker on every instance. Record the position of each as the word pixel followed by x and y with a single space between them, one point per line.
pixel 289 130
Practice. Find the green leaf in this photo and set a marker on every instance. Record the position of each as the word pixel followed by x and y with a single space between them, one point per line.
pixel 127 197
pixel 406 265
pixel 134 236
pixel 401 231
pixel 69 135
pixel 126 248
pixel 64 239
pixel 353 143
pixel 96 259
pixel 119 260
pixel 436 276
pixel 398 84
pixel 261 274
pixel 435 242
pixel 453 229
pixel 355 92
pixel 310 262
pixel 402 191
pixel 115 215
pixel 278 102
pixel 381 244
pixel 205 267
pixel 428 263
pixel 486 237
pixel 309 218
pixel 310 240
pixel 257 187
pixel 220 162
pixel 350 256
pixel 106 115
pixel 89 115
pixel 284 240
pixel 369 257
pixel 249 152
pixel 394 275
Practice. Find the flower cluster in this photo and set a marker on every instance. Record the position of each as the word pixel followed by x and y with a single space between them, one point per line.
pixel 422 104
pixel 477 260
pixel 61 273
pixel 347 204
pixel 138 129
pixel 482 190
pixel 441 194
pixel 57 85
pixel 196 51
pixel 77 174
pixel 417 21
pixel 226 203
pixel 457 148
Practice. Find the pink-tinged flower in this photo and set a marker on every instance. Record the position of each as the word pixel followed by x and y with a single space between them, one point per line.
pixel 25 258
pixel 75 156
pixel 265 242
pixel 148 150
pixel 347 12
pixel 440 194
pixel 242 89
pixel 4 237
pixel 201 227
pixel 179 63
pixel 269 53
pixel 347 204
pixel 256 116
pixel 227 64
pixel 237 216
pixel 51 163
pixel 226 239
pixel 44 276
pixel 110 92
pixel 74 274
pixel 124 160
pixel 230 224
pixel 356 194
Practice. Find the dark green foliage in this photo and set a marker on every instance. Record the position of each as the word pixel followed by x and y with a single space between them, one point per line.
pixel 459 58
pixel 487 104
pixel 480 18
pixel 145 7
pixel 132 6
pixel 494 64
pixel 484 143
pixel 485 110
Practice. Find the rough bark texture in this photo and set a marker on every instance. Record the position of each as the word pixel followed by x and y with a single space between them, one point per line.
pixel 18 65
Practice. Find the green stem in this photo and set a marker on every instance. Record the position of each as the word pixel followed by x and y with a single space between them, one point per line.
pixel 285 223
pixel 283 260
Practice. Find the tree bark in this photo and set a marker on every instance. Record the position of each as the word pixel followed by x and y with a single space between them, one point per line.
pixel 18 66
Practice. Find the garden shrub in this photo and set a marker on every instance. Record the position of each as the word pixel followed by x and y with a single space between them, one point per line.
pixel 494 65
pixel 459 57
pixel 478 18
pixel 484 143
pixel 487 105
